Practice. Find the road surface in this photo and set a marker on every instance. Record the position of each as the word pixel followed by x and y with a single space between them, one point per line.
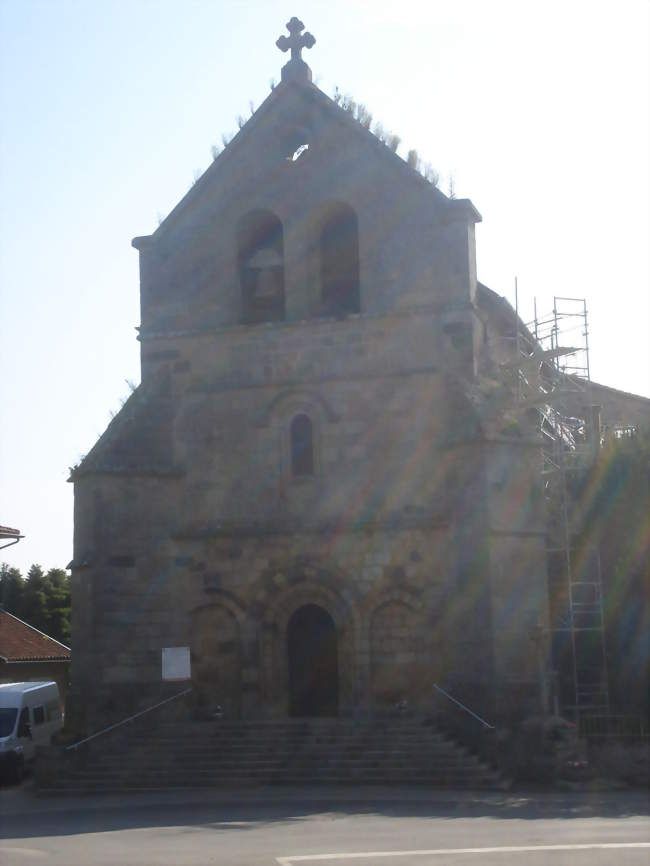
pixel 324 827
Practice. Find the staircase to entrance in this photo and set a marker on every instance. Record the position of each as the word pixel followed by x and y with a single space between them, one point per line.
pixel 294 751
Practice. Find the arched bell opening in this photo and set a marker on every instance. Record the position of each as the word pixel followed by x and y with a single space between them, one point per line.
pixel 339 261
pixel 260 249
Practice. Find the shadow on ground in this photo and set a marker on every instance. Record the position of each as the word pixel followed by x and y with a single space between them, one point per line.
pixel 24 815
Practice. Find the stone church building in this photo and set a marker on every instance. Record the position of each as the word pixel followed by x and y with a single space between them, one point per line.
pixel 310 488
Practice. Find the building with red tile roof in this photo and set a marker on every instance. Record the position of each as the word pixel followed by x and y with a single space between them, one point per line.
pixel 27 654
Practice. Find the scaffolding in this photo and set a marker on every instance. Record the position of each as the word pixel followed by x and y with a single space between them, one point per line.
pixel 553 375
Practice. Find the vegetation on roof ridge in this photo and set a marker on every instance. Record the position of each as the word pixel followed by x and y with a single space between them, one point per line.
pixel 359 112
pixel 362 115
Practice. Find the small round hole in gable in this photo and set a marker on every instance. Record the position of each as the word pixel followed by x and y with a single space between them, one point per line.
pixel 298 152
pixel 295 144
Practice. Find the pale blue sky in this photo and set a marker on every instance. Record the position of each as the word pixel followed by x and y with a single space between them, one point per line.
pixel 107 110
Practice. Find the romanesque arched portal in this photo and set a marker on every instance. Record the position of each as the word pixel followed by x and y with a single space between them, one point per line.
pixel 312 654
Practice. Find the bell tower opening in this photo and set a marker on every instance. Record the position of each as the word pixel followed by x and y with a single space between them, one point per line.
pixel 261 267
pixel 339 259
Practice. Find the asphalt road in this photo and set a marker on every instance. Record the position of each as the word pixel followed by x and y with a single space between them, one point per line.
pixel 325 827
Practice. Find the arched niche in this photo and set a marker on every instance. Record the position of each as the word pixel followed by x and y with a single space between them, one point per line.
pixel 216 660
pixel 260 256
pixel 397 655
pixel 339 260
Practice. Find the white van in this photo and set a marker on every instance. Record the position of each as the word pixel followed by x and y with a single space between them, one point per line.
pixel 29 714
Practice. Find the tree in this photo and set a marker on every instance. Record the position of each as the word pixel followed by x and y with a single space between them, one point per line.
pixel 58 604
pixel 41 600
pixel 12 589
pixel 35 609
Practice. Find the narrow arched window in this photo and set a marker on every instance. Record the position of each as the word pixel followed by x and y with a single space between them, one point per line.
pixel 261 266
pixel 339 255
pixel 302 446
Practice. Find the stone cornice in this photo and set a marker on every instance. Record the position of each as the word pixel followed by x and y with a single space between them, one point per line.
pixel 139 471
pixel 524 533
pixel 284 528
pixel 240 328
pixel 493 441
pixel 303 382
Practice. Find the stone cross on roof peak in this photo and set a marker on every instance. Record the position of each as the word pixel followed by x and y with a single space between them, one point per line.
pixel 296 69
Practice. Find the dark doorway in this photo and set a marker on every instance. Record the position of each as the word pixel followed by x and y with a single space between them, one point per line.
pixel 313 663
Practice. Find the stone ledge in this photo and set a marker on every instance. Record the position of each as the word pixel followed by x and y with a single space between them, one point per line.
pixel 432 521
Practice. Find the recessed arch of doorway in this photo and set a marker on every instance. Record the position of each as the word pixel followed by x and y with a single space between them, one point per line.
pixel 400 657
pixel 216 657
pixel 344 630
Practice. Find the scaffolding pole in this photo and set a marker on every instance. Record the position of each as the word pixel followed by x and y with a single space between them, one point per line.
pixel 564 373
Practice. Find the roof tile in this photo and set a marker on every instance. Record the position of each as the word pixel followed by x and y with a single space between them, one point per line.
pixel 22 642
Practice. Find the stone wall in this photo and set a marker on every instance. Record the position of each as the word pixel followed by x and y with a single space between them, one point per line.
pixel 423 543
pixel 230 599
pixel 415 246
pixel 191 528
pixel 401 623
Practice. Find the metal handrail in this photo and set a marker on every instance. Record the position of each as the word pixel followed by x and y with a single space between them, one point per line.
pixel 128 719
pixel 463 707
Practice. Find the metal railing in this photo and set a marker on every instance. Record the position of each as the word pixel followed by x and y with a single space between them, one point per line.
pixel 127 720
pixel 463 707
pixel 469 729
pixel 612 726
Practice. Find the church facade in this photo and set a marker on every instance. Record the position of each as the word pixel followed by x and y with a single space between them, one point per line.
pixel 308 488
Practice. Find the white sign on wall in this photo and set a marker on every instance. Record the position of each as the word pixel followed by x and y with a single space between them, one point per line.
pixel 176 663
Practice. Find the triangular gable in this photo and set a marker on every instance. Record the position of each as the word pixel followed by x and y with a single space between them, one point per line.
pixel 285 97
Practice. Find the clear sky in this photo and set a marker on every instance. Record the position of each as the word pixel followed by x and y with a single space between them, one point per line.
pixel 109 109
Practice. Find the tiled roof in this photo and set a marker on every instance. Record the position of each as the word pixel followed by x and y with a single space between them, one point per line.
pixel 22 642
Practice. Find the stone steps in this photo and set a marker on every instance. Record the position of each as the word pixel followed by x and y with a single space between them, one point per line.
pixel 263 742
pixel 218 754
pixel 304 759
pixel 99 784
pixel 268 735
pixel 306 764
pixel 306 773
pixel 325 748
pixel 163 780
pixel 280 754
pixel 247 731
